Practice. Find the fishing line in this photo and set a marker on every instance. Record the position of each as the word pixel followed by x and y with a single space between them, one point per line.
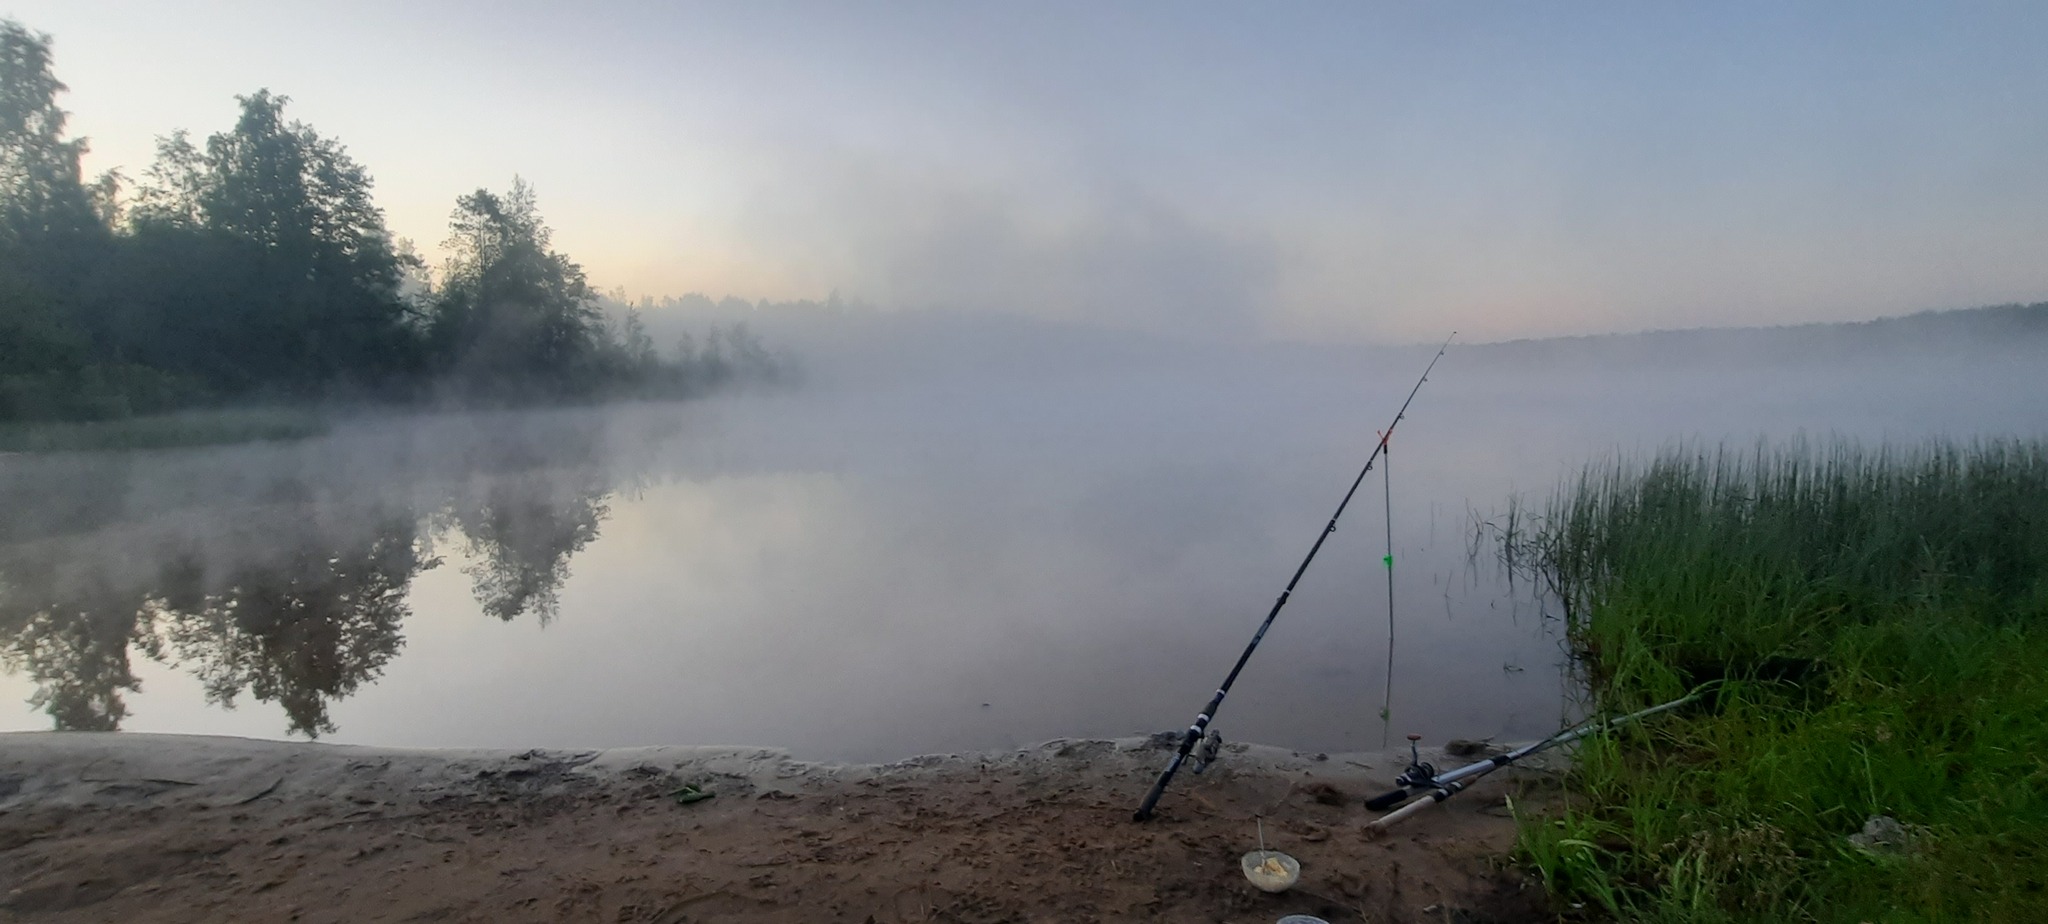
pixel 1387 703
pixel 1208 713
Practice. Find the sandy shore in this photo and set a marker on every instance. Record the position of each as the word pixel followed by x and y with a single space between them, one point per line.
pixel 139 828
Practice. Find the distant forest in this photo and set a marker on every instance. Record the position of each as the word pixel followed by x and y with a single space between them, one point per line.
pixel 255 266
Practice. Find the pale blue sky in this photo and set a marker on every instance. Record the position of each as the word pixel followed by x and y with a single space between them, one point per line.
pixel 1300 170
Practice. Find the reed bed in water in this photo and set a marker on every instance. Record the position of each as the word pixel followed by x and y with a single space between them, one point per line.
pixel 1878 619
pixel 164 431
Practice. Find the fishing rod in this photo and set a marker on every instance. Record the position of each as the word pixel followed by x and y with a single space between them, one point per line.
pixel 1421 779
pixel 1202 719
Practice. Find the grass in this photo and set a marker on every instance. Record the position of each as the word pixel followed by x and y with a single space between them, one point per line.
pixel 1878 622
pixel 163 431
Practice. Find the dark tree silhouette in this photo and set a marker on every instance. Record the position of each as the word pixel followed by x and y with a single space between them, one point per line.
pixel 45 207
pixel 275 224
pixel 257 265
pixel 51 236
pixel 510 310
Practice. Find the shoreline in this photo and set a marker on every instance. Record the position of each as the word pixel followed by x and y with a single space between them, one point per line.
pixel 148 827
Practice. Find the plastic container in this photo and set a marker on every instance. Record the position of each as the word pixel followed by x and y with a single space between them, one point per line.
pixel 1262 875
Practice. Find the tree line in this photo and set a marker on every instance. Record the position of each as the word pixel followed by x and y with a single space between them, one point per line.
pixel 255 265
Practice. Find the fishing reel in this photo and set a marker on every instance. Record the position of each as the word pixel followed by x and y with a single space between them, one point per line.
pixel 1418 775
pixel 1210 749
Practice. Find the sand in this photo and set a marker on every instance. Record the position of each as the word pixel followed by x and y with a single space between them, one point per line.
pixel 143 828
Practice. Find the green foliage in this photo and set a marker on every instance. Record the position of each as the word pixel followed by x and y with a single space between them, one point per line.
pixel 511 311
pixel 36 336
pixel 44 204
pixel 261 261
pixel 51 235
pixel 1879 618
pixel 727 356
pixel 257 267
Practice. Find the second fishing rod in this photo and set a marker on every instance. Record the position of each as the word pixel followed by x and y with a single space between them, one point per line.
pixel 1208 713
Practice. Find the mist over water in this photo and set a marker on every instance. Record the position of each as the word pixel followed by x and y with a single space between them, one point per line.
pixel 955 534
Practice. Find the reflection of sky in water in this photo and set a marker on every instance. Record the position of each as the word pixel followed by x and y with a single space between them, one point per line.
pixel 856 575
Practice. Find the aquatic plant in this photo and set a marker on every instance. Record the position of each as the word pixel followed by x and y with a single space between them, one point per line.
pixel 1879 621
pixel 164 431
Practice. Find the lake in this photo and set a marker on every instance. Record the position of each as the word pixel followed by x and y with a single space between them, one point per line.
pixel 873 566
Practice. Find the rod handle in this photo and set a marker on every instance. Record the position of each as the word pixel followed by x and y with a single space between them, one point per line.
pixel 1144 811
pixel 1387 800
pixel 1388 820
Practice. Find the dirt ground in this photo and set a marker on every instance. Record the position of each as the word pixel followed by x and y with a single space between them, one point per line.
pixel 143 828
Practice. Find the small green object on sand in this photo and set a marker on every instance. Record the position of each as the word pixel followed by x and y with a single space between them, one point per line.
pixel 691 793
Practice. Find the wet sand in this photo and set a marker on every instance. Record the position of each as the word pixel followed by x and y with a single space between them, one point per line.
pixel 145 828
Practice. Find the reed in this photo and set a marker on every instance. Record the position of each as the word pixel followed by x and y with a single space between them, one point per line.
pixel 164 431
pixel 1878 619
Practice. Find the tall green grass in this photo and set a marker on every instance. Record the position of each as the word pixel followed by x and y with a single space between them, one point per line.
pixel 1878 622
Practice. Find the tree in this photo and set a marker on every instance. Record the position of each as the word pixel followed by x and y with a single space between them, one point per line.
pixel 513 314
pixel 257 264
pixel 172 186
pixel 286 217
pixel 44 204
pixel 258 189
pixel 53 237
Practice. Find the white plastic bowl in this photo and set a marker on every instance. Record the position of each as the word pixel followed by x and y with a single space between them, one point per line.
pixel 1254 865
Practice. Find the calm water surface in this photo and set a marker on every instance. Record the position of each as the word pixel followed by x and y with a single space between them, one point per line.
pixel 868 572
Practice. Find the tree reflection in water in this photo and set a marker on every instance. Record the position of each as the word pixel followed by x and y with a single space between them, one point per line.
pixel 74 645
pixel 522 532
pixel 299 598
pixel 304 626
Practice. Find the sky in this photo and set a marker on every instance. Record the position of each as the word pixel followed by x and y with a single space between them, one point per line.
pixel 1329 172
